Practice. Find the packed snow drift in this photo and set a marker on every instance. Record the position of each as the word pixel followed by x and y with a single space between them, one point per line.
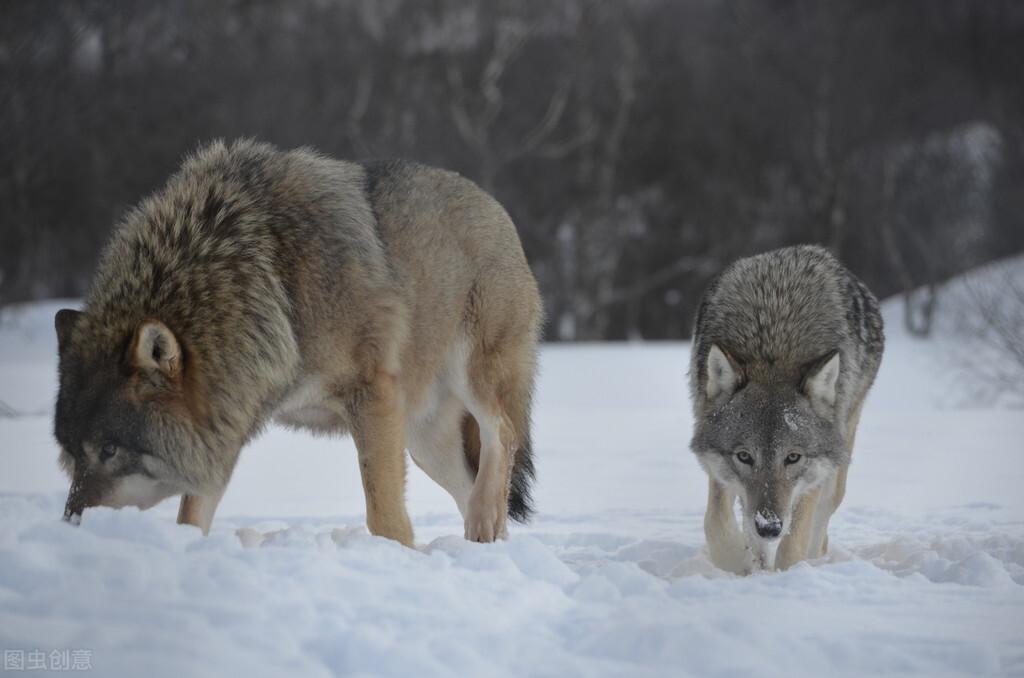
pixel 925 573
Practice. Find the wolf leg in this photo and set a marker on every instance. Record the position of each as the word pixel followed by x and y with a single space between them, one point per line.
pixel 492 373
pixel 796 544
pixel 380 440
pixel 487 509
pixel 831 495
pixel 727 545
pixel 826 507
pixel 436 446
pixel 840 488
pixel 198 510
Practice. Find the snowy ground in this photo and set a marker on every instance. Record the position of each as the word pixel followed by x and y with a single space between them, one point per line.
pixel 925 577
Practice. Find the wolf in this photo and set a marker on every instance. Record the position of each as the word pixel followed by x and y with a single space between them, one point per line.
pixel 786 346
pixel 387 300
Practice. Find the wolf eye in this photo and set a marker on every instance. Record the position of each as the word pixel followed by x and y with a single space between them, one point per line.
pixel 793 457
pixel 745 457
pixel 107 452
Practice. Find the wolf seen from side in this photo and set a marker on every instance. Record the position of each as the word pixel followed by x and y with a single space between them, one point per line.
pixel 391 301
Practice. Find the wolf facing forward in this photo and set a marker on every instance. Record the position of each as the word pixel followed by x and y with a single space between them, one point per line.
pixel 389 300
pixel 786 345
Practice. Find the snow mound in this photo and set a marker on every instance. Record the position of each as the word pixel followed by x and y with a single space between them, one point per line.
pixel 145 595
pixel 991 561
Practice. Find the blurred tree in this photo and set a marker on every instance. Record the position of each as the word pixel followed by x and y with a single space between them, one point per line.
pixel 639 146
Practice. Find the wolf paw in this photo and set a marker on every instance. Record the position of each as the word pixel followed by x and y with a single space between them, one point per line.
pixel 485 519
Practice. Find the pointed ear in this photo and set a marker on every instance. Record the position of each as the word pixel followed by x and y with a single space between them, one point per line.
pixel 155 347
pixel 65 322
pixel 723 376
pixel 821 381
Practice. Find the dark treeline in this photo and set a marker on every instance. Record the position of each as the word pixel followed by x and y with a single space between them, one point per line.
pixel 638 146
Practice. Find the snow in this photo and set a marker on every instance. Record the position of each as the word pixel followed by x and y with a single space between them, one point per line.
pixel 925 573
pixel 764 518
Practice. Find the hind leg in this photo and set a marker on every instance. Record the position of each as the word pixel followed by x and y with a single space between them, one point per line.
pixel 487 510
pixel 435 444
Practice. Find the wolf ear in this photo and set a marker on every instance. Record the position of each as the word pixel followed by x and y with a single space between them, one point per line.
pixel 723 376
pixel 65 321
pixel 155 347
pixel 821 380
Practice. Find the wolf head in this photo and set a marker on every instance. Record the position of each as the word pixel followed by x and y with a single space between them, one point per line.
pixel 121 417
pixel 769 443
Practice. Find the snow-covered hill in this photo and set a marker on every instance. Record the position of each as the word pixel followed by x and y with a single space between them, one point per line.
pixel 926 573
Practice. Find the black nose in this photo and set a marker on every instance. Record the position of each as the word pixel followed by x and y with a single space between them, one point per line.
pixel 769 525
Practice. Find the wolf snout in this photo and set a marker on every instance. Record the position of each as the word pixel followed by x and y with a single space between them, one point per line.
pixel 81 496
pixel 768 524
pixel 73 510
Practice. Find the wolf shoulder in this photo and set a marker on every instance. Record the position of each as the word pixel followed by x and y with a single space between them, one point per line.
pixel 305 186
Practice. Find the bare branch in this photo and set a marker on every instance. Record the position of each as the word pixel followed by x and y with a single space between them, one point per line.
pixel 700 265
pixel 463 122
pixel 548 123
pixel 561 149
pixel 507 45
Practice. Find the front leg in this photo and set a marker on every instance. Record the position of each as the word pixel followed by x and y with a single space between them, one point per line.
pixel 199 510
pixel 796 545
pixel 380 439
pixel 832 495
pixel 727 545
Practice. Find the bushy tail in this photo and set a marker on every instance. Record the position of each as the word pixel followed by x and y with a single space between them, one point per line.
pixel 520 503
